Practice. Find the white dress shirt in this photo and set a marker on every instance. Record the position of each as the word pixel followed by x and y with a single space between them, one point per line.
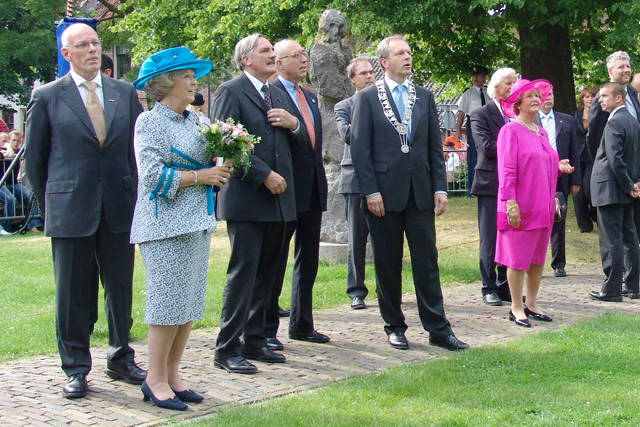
pixel 78 80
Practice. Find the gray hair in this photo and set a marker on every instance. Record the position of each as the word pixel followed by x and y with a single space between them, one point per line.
pixel 245 48
pixel 277 48
pixel 351 68
pixel 499 74
pixel 383 47
pixel 620 55
pixel 157 87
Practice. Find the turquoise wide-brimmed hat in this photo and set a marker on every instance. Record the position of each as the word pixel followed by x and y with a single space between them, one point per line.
pixel 175 58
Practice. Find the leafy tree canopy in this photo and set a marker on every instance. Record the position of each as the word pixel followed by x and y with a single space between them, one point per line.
pixel 27 45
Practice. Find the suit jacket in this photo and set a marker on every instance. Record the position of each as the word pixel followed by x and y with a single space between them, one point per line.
pixel 616 166
pixel 307 162
pixel 486 123
pixel 73 179
pixel 567 147
pixel 248 199
pixel 348 182
pixel 581 133
pixel 379 163
pixel 598 119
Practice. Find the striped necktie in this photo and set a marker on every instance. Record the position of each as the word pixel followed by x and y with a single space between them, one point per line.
pixel 306 115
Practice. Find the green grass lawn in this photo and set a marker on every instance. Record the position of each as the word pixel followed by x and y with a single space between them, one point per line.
pixel 582 375
pixel 27 290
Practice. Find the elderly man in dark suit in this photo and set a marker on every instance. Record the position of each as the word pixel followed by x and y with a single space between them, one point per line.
pixel 486 122
pixel 256 206
pixel 80 161
pixel 563 138
pixel 619 69
pixel 397 155
pixel 311 199
pixel 361 74
pixel 614 187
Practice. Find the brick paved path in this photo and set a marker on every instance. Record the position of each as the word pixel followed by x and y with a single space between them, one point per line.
pixel 30 389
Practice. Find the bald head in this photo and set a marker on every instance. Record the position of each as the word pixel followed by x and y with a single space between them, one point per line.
pixel 81 47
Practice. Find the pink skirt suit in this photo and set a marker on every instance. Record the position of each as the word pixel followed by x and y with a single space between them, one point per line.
pixel 527 172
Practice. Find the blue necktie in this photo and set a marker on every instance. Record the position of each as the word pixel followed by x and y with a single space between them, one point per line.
pixel 398 98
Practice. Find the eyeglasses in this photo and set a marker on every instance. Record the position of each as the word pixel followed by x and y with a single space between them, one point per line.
pixel 85 44
pixel 298 55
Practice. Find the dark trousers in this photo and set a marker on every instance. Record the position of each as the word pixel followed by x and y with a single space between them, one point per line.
pixel 305 269
pixel 387 240
pixel 74 264
pixel 558 234
pixel 472 157
pixel 585 213
pixel 492 282
pixel 618 247
pixel 251 275
pixel 356 247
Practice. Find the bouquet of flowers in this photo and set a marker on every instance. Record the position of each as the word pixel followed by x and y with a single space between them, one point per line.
pixel 229 140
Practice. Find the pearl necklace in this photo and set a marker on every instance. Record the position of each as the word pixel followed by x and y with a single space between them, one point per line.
pixel 536 130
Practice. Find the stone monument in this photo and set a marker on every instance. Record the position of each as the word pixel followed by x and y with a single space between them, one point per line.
pixel 327 71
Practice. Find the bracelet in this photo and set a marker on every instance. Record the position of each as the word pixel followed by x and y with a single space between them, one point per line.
pixel 195 181
pixel 514 206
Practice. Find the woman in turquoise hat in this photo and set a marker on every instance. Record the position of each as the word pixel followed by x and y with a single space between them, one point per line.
pixel 173 218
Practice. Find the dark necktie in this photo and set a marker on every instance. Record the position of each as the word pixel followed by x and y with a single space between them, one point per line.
pixel 267 96
pixel 482 100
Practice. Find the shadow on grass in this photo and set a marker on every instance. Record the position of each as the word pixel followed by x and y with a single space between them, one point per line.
pixel 585 374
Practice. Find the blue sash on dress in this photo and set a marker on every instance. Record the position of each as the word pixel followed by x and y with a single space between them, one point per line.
pixel 194 165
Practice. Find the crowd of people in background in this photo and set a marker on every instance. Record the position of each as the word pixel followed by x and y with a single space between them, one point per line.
pixel 143 178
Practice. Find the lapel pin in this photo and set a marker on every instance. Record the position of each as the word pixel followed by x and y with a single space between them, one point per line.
pixel 111 100
pixel 313 100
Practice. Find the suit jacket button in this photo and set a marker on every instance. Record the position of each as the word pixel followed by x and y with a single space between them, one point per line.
pixel 276 154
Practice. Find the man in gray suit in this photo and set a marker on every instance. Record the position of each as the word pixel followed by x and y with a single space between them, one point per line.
pixel 256 206
pixel 614 186
pixel 397 155
pixel 619 69
pixel 80 161
pixel 361 74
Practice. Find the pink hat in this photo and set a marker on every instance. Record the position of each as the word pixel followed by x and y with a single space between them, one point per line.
pixel 520 87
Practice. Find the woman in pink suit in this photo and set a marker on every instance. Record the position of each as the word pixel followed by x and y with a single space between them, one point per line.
pixel 528 170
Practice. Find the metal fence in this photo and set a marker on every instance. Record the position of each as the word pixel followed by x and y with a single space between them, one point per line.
pixel 18 205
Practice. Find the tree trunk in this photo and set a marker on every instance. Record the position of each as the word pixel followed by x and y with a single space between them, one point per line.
pixel 551 62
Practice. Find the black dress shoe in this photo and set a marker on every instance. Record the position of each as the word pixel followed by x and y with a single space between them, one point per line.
pixel 174 403
pixel 263 355
pixel 398 340
pixel 188 396
pixel 601 296
pixel 313 336
pixel 75 387
pixel 129 372
pixel 538 316
pixel 357 303
pixel 520 322
pixel 274 344
pixel 626 292
pixel 236 365
pixel 450 342
pixel 283 313
pixel 492 299
pixel 559 272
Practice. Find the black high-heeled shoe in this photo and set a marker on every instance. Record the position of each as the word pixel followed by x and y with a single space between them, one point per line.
pixel 175 403
pixel 520 322
pixel 188 396
pixel 538 316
